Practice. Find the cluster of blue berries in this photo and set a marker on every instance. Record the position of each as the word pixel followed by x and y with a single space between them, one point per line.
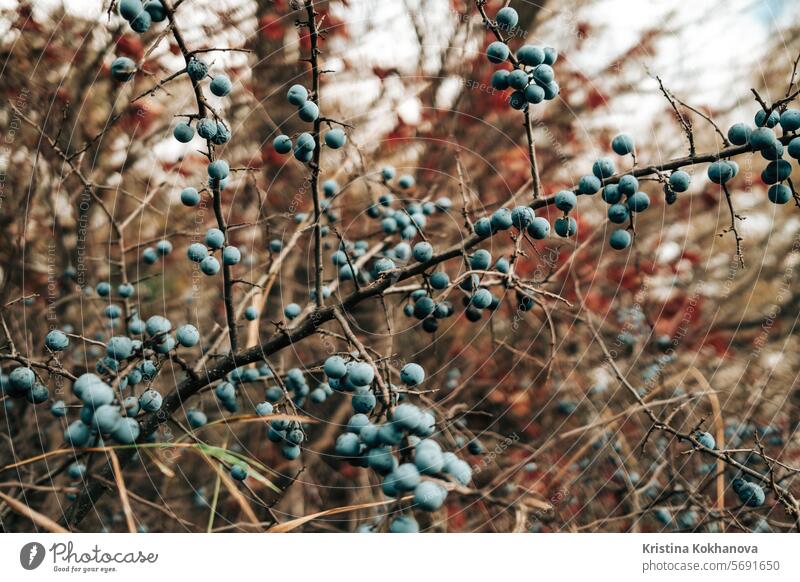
pixel 142 16
pixel 763 139
pixel 305 144
pixel 129 360
pixel 532 78
pixel 401 449
pixel 213 130
pixel 151 255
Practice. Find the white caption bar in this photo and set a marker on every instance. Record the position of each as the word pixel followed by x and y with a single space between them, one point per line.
pixel 397 557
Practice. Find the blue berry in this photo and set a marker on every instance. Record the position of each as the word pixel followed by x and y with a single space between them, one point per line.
pixel 183 132
pixel 628 185
pixel 364 402
pixel 58 409
pixel 551 90
pixel 329 188
pixel 207 128
pixel 223 134
pixel 497 52
pixel 739 133
pixel 566 226
pixel 720 172
pixel 543 75
pixel 292 310
pixel 412 374
pixel 622 144
pixel 214 238
pixel 187 336
pixel 566 200
pixel 297 95
pixel 197 252
pixel 335 138
pixel 517 100
pixel 483 227
pixel 480 260
pixel 429 496
pixel 589 185
pixel 550 55
pixel 603 168
pixel 517 79
pixel 130 9
pixel 220 85
pixel 239 472
pixel 123 69
pixel 150 401
pixel 507 17
pixel 751 494
pixel 383 265
pixel 156 10
pixel 530 55
pixel 347 445
pixel 499 79
pixel 762 137
pixel 762 120
pixel 620 239
pixel 119 348
pixel 522 216
pixel 38 394
pixel 142 22
pixel 482 298
pixel 231 255
pixel 406 416
pixel 163 247
pixel 779 194
pixel 106 418
pixel 406 477
pixel 440 280
pixel 705 439
pixel 534 94
pixel 113 311
pixel 190 197
pixel 210 266
pixel 539 228
pixel 308 111
pixel 77 434
pixel 406 181
pixel 776 171
pixel 679 181
pixel 196 69
pixel 423 252
pixel 501 219
pixel 56 341
pixel 388 173
pixel 282 144
pixel 639 202
pixel 790 120
pixel 404 524
pixel 618 213
pixel 611 194
pixel 218 170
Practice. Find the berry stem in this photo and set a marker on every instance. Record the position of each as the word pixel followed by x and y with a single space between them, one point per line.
pixel 319 273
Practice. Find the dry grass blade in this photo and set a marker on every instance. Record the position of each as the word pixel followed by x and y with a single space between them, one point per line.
pixel 41 520
pixel 233 490
pixel 295 523
pixel 123 492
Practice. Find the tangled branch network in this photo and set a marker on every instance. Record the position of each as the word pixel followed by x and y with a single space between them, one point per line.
pixel 377 421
